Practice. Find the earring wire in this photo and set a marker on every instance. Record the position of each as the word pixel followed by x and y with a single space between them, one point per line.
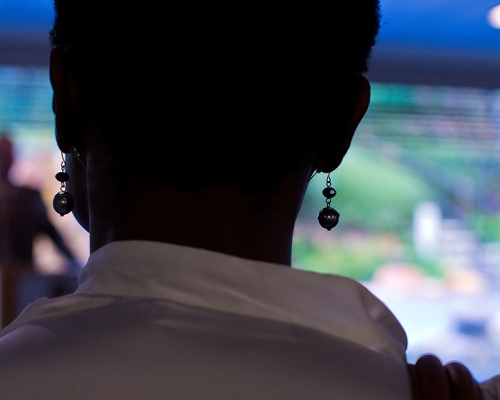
pixel 74 152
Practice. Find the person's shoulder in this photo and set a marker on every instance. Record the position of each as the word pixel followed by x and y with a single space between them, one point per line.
pixel 127 345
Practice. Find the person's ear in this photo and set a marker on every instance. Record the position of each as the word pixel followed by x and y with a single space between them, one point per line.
pixel 65 99
pixel 330 157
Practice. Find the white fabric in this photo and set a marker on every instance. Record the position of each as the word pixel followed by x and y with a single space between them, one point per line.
pixel 153 320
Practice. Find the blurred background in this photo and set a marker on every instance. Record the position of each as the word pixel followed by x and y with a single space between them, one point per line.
pixel 418 192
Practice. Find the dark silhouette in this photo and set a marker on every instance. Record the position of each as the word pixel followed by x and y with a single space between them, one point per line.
pixel 22 216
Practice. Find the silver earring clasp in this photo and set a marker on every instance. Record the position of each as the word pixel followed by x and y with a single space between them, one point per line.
pixel 74 152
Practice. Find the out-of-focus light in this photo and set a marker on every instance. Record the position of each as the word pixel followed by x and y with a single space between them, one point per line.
pixel 493 17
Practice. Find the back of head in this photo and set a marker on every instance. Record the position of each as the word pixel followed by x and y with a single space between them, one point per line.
pixel 221 92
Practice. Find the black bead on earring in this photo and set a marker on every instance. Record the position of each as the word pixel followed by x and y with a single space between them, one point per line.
pixel 63 201
pixel 328 217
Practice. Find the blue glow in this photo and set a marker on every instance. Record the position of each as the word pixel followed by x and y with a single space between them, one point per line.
pixel 459 24
pixel 450 24
pixel 26 15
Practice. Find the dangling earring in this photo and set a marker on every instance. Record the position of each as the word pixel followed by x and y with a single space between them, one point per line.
pixel 328 217
pixel 63 202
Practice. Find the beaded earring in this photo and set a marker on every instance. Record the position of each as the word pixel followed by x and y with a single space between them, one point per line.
pixel 328 217
pixel 63 201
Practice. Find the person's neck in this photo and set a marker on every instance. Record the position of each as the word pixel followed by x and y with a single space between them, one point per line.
pixel 219 220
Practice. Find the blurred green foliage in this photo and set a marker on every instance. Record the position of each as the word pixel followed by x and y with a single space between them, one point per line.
pixel 354 259
pixel 357 255
pixel 486 226
pixel 376 199
pixel 374 193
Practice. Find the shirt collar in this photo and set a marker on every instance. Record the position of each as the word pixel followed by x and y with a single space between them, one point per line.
pixel 333 304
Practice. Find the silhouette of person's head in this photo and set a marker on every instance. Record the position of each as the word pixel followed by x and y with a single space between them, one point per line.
pixel 234 102
pixel 232 94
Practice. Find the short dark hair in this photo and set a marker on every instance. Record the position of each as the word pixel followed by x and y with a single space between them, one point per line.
pixel 244 88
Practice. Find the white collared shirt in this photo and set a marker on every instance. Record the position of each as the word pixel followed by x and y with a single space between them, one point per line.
pixel 153 320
